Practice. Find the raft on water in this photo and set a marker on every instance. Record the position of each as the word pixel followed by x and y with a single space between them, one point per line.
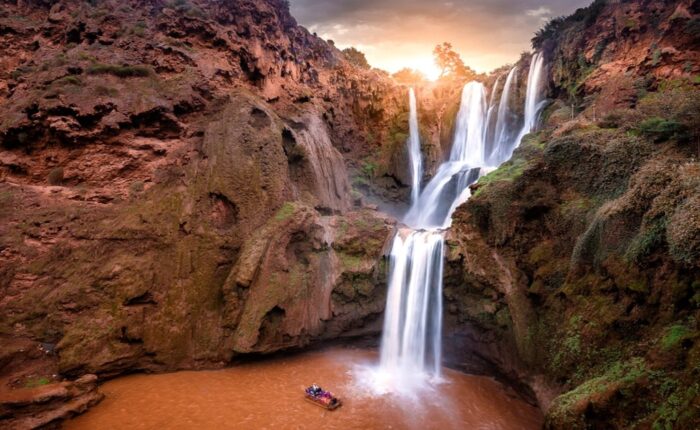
pixel 319 397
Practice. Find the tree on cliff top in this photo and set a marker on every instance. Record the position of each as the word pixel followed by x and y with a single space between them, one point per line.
pixel 554 27
pixel 356 58
pixel 451 64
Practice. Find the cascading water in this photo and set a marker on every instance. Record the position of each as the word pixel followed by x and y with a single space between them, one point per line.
pixel 503 140
pixel 433 208
pixel 411 340
pixel 533 99
pixel 413 319
pixel 414 148
pixel 490 118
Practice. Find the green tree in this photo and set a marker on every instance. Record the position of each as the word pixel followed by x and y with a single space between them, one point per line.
pixel 451 64
pixel 356 58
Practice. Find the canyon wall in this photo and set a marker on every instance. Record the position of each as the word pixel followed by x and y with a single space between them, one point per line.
pixel 575 266
pixel 177 189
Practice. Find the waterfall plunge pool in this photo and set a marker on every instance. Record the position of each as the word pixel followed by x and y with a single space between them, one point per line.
pixel 269 395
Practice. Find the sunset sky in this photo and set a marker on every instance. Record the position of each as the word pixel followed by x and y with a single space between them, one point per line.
pixel 402 33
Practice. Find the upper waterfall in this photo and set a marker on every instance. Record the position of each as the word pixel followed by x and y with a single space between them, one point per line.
pixel 490 125
pixel 414 153
pixel 468 144
pixel 502 145
pixel 468 154
pixel 533 97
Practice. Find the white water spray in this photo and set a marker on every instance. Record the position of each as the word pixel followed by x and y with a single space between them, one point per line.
pixel 413 318
pixel 414 148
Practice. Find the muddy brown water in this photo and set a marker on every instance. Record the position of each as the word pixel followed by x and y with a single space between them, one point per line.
pixel 269 395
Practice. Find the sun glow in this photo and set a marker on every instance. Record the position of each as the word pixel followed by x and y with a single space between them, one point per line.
pixel 426 66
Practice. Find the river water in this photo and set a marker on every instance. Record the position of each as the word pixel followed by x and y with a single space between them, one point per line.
pixel 269 395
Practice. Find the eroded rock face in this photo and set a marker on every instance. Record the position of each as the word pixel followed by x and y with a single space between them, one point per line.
pixel 304 276
pixel 46 406
pixel 574 268
pixel 619 49
pixel 176 189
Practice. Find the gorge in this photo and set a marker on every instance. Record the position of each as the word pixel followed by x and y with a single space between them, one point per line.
pixel 200 185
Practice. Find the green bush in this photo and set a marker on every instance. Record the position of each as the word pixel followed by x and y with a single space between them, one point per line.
pixel 662 130
pixel 20 71
pixel 647 241
pixel 671 112
pixel 356 58
pixel 675 335
pixel 369 168
pixel 119 71
pixel 139 29
pixel 69 80
pixel 611 120
pixel 285 212
pixel 36 382
pixel 554 27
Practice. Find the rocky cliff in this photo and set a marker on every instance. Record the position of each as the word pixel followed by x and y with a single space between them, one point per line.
pixel 176 182
pixel 575 266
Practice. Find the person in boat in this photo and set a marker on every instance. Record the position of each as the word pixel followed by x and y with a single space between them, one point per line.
pixel 314 390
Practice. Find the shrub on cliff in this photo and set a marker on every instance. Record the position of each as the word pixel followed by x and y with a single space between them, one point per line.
pixel 119 71
pixel 662 130
pixel 356 58
pixel 672 112
pixel 553 28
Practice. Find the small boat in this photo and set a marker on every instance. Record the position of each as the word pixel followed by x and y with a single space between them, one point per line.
pixel 324 399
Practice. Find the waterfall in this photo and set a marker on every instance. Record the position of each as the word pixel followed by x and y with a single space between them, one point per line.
pixel 502 148
pixel 533 102
pixel 413 320
pixel 490 125
pixel 433 208
pixel 468 145
pixel 414 148
pixel 411 340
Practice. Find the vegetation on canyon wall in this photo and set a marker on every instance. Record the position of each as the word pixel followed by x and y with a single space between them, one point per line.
pixel 596 220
